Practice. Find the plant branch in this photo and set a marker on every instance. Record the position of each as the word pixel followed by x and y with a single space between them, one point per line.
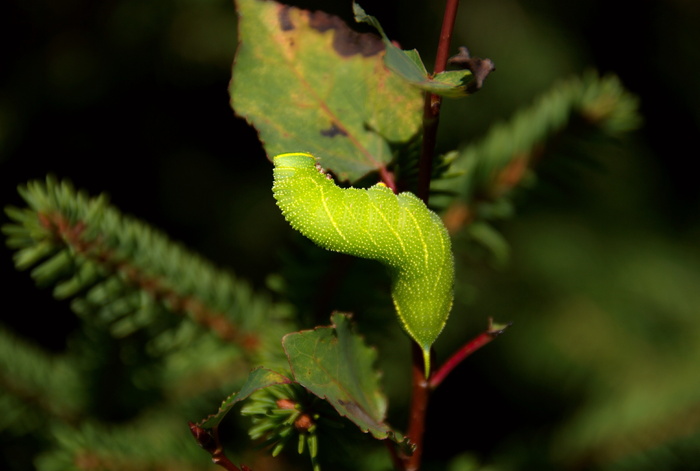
pixel 470 347
pixel 396 459
pixel 388 179
pixel 431 118
pixel 209 440
pixel 419 407
pixel 72 234
pixel 448 24
pixel 587 109
pixel 431 107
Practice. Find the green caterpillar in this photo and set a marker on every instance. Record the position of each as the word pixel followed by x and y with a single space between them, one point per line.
pixel 397 230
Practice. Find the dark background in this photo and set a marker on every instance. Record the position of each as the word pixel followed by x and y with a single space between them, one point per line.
pixel 130 98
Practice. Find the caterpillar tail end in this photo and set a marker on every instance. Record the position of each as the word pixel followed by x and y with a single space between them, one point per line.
pixel 426 361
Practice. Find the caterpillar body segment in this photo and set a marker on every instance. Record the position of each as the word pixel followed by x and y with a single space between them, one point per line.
pixel 397 230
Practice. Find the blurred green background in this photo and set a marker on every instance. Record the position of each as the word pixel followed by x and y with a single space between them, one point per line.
pixel 600 368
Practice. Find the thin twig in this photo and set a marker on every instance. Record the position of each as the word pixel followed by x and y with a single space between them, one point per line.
pixel 209 440
pixel 388 179
pixel 431 108
pixel 470 347
pixel 395 458
pixel 448 25
pixel 431 119
pixel 419 407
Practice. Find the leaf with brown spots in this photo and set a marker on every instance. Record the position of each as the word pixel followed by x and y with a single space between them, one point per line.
pixel 307 82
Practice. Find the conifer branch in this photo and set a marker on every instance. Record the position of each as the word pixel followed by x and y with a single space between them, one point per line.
pixel 138 445
pixel 490 169
pixel 34 383
pixel 119 269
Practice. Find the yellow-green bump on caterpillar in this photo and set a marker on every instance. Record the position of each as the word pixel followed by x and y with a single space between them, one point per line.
pixel 397 230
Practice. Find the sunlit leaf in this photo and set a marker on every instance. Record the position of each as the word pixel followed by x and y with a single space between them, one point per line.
pixel 307 82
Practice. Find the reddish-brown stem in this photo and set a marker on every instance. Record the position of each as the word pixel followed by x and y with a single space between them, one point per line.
pixel 431 107
pixel 419 406
pixel 396 459
pixel 388 179
pixel 470 347
pixel 209 440
pixel 431 119
pixel 448 25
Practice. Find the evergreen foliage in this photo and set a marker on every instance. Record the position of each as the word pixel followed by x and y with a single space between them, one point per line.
pixel 128 275
pixel 36 385
pixel 199 322
pixel 572 121
pixel 587 108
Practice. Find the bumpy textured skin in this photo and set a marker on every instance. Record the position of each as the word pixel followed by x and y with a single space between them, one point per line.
pixel 397 230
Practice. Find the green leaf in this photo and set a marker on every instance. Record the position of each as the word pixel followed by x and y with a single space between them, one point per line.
pixel 335 364
pixel 307 82
pixel 259 378
pixel 410 67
